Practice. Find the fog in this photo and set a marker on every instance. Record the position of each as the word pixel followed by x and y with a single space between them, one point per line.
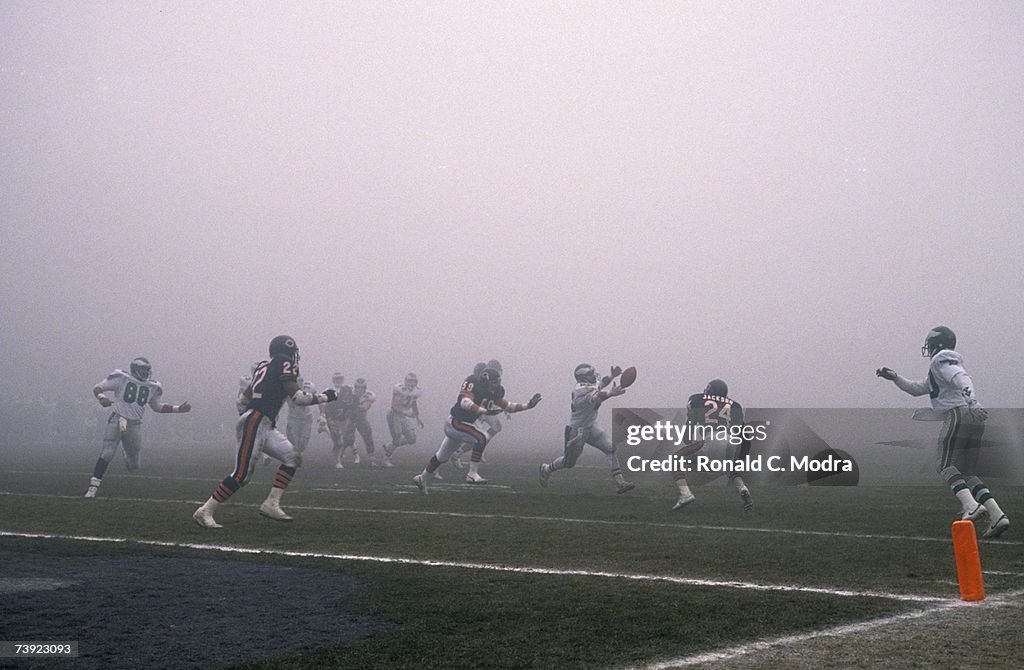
pixel 785 196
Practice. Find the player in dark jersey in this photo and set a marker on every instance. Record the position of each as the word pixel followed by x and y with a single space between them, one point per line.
pixel 711 409
pixel 480 395
pixel 272 382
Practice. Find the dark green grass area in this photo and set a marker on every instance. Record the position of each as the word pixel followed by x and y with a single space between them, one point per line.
pixel 885 540
pixel 456 618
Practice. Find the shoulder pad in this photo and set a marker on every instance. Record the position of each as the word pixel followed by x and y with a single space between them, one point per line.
pixel 947 357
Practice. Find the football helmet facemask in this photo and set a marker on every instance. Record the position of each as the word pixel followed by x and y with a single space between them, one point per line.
pixel 937 339
pixel 283 345
pixel 491 377
pixel 141 369
pixel 585 373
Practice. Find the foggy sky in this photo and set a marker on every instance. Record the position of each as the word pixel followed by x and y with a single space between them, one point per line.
pixel 784 195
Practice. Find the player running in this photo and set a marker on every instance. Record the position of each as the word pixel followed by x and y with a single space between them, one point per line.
pixel 587 398
pixel 132 392
pixel 952 394
pixel 480 394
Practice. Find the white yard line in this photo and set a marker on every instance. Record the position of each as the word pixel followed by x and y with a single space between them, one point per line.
pixel 490 567
pixel 556 519
pixel 837 631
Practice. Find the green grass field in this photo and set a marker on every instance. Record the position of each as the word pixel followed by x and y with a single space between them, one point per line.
pixel 502 575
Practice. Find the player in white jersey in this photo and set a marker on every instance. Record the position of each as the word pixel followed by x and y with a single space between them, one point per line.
pixel 364 399
pixel 952 394
pixel 300 420
pixel 587 398
pixel 128 393
pixel 404 410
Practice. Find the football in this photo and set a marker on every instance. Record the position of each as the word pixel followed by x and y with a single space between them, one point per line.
pixel 628 377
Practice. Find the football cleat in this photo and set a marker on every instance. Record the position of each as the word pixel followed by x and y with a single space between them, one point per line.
pixel 977 514
pixel 387 463
pixel 91 492
pixel 625 486
pixel 373 462
pixel 457 462
pixel 683 502
pixel 204 519
pixel 998 527
pixel 271 508
pixel 748 500
pixel 437 475
pixel 339 465
pixel 420 482
pixel 545 474
pixel 355 458
pixel 474 478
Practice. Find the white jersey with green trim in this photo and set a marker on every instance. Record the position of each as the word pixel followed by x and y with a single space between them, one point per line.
pixel 131 395
pixel 949 385
pixel 585 405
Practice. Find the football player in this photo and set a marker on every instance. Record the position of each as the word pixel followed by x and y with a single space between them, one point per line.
pixel 300 418
pixel 492 422
pixel 480 394
pixel 713 407
pixel 364 399
pixel 404 410
pixel 273 381
pixel 131 392
pixel 587 398
pixel 337 417
pixel 952 394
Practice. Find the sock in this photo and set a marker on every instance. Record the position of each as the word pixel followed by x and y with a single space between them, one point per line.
pixel 557 463
pixel 738 483
pixel 94 481
pixel 994 511
pixel 211 505
pixel 684 490
pixel 473 465
pixel 967 500
pixel 275 493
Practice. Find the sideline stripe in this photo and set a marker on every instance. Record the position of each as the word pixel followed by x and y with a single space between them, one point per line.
pixel 557 519
pixel 839 631
pixel 492 567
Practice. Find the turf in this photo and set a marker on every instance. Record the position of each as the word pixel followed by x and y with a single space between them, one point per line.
pixel 882 541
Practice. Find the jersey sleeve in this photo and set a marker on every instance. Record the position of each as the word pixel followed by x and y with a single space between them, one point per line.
pixel 156 392
pixel 112 382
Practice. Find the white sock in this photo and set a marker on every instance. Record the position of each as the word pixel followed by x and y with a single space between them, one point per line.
pixel 473 465
pixel 739 484
pixel 275 493
pixel 94 482
pixel 211 505
pixel 967 500
pixel 994 512
pixel 684 490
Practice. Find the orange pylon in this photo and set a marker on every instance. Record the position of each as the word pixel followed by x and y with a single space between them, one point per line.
pixel 968 561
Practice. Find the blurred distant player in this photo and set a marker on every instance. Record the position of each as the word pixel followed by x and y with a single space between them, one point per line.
pixel 480 394
pixel 364 399
pixel 300 418
pixel 337 416
pixel 132 391
pixel 404 410
pixel 273 381
pixel 245 380
pixel 952 394
pixel 587 398
pixel 713 408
